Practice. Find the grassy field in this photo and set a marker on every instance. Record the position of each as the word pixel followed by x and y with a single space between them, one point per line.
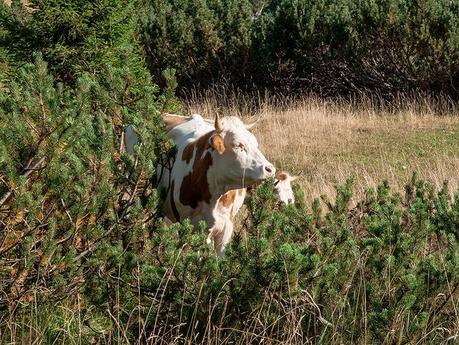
pixel 327 142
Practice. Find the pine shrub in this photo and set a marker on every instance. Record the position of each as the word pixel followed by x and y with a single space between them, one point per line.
pixel 374 272
pixel 83 229
pixel 203 41
pixel 71 199
pixel 73 37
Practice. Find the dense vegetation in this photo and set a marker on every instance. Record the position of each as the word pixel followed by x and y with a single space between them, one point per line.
pixel 84 254
pixel 320 46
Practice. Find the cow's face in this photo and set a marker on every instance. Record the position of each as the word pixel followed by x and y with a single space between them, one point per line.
pixel 238 160
pixel 283 187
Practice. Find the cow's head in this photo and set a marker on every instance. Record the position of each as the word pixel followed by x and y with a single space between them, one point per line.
pixel 238 160
pixel 283 187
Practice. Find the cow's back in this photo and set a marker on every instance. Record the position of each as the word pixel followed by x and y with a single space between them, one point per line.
pixel 171 174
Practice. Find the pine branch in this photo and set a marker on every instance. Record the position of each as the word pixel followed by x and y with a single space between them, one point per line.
pixel 27 172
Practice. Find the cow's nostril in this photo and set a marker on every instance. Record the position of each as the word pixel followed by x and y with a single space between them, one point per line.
pixel 269 169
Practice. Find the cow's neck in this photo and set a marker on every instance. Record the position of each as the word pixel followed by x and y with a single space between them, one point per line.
pixel 217 189
pixel 225 186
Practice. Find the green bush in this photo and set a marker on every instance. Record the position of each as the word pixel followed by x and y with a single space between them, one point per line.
pixel 201 40
pixel 84 253
pixel 373 272
pixel 383 271
pixel 351 45
pixel 70 197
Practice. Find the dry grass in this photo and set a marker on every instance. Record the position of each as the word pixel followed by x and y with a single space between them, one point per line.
pixel 327 142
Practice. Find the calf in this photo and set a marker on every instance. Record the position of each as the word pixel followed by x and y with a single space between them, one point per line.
pixel 283 187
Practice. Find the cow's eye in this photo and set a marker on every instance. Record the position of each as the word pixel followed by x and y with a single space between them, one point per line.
pixel 240 147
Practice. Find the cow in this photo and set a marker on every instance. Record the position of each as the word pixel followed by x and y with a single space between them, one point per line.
pixel 283 187
pixel 213 165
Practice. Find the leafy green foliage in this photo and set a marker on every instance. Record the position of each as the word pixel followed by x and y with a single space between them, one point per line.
pixel 82 246
pixel 373 271
pixel 201 40
pixel 383 271
pixel 385 45
pixel 81 224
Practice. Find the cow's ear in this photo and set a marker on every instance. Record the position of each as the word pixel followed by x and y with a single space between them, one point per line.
pixel 293 178
pixel 282 176
pixel 216 141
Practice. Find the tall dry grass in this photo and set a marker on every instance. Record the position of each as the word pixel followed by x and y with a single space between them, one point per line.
pixel 369 139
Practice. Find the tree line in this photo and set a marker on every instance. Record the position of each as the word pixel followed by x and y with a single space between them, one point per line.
pixel 324 47
pixel 315 46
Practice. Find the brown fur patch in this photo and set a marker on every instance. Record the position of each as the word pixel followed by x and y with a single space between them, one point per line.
pixel 173 206
pixel 188 152
pixel 201 144
pixel 281 176
pixel 195 187
pixel 171 121
pixel 218 143
pixel 227 199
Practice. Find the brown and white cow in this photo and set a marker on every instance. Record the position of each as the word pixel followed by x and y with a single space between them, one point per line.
pixel 229 203
pixel 213 162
